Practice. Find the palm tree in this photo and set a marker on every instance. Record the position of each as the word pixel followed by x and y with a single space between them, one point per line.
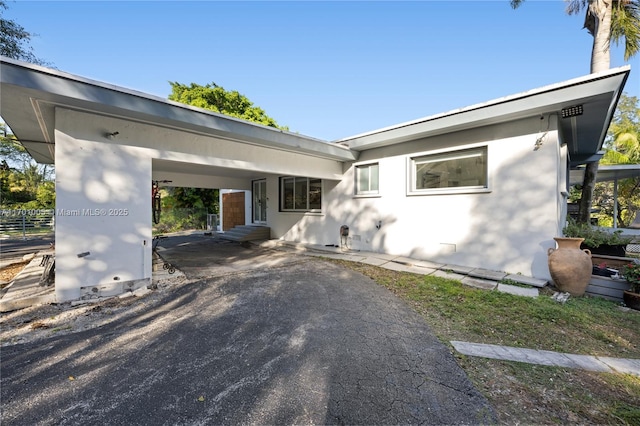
pixel 624 133
pixel 605 20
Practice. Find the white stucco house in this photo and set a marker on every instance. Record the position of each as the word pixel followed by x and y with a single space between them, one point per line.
pixel 483 186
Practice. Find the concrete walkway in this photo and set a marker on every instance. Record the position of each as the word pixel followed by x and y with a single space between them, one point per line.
pixel 555 359
pixel 25 290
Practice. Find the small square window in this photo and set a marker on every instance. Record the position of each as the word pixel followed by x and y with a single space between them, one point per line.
pixel 367 179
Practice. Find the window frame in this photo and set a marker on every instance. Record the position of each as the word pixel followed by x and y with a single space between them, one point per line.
pixel 412 162
pixel 368 193
pixel 296 180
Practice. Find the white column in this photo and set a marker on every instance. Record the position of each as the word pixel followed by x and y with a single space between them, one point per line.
pixel 103 207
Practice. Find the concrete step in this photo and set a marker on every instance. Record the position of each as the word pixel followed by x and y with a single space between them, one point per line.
pixel 247 233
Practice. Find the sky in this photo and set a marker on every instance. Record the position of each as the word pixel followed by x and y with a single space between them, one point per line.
pixel 329 70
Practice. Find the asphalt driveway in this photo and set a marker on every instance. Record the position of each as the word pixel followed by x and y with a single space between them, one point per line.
pixel 291 340
pixel 13 249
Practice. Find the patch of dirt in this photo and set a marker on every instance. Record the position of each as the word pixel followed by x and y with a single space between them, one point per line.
pixel 40 322
pixel 8 273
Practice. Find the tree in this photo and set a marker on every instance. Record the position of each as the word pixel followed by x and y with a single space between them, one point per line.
pixel 199 198
pixel 23 183
pixel 623 141
pixel 216 98
pixel 605 20
pixel 14 40
pixel 622 147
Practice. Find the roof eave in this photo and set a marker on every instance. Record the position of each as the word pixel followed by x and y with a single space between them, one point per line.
pixel 606 173
pixel 42 89
pixel 545 100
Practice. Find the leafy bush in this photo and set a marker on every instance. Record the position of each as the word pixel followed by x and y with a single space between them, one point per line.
pixel 173 220
pixel 631 273
pixel 595 237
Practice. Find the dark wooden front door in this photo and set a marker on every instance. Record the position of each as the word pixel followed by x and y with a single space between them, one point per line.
pixel 232 210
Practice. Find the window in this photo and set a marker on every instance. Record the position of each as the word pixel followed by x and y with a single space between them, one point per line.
pixel 454 171
pixel 367 179
pixel 300 194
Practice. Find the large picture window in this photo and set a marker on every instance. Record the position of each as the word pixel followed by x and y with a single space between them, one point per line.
pixel 454 171
pixel 300 194
pixel 367 179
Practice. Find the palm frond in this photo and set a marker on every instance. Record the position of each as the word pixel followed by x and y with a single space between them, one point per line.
pixel 614 157
pixel 575 6
pixel 628 143
pixel 625 24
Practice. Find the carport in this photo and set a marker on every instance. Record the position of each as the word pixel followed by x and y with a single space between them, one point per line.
pixel 611 173
pixel 108 143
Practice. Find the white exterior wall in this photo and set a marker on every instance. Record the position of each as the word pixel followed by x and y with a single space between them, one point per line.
pixel 509 228
pixel 103 200
pixel 101 175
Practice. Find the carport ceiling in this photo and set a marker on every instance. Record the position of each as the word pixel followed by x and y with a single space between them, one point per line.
pixel 160 166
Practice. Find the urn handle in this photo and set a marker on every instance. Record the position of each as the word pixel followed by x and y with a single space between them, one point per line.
pixel 587 251
pixel 551 250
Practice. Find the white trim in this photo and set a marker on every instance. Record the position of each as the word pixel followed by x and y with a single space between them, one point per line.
pixel 376 195
pixel 253 198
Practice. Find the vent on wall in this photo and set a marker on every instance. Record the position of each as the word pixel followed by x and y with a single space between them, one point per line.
pixel 447 248
pixel 572 111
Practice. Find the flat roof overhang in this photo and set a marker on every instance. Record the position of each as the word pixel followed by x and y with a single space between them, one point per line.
pixel 584 134
pixel 606 173
pixel 30 93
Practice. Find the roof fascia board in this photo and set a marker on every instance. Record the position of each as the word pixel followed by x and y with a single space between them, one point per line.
pixel 612 107
pixel 73 91
pixel 547 99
